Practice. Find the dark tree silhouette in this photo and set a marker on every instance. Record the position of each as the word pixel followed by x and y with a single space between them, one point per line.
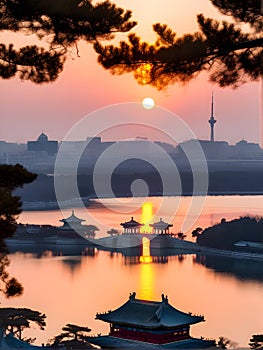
pixel 225 343
pixel 181 236
pixel 113 232
pixel 63 23
pixel 197 232
pixel 249 11
pixel 256 342
pixel 73 337
pixel 14 320
pixel 11 177
pixel 226 234
pixel 9 286
pixel 90 230
pixel 229 55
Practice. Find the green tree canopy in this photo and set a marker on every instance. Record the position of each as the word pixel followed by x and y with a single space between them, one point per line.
pixel 228 53
pixel 62 23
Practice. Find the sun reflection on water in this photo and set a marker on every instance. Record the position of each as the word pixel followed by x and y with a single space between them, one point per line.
pixel 146 290
pixel 146 254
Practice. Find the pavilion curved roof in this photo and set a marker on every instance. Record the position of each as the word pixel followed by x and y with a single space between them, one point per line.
pixel 73 219
pixel 162 225
pixel 149 314
pixel 131 223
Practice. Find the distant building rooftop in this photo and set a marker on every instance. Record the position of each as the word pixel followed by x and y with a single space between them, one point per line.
pixel 72 219
pixel 43 144
pixel 131 223
pixel 161 225
pixel 42 137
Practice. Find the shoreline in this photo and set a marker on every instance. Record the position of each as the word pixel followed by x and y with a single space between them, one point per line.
pixel 120 244
pixel 87 201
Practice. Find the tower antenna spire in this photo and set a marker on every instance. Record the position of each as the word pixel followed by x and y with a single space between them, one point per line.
pixel 212 120
pixel 212 105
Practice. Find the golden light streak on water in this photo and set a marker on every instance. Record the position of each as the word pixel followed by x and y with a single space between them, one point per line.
pixel 146 290
pixel 146 254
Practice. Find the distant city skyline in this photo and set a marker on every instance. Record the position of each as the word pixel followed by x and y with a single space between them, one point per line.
pixel 225 129
pixel 84 86
pixel 136 138
pixel 42 154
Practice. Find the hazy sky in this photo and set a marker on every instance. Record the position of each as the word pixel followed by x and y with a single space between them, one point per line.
pixel 84 86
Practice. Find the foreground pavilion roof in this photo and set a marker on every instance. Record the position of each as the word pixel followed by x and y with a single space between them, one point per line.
pixel 149 314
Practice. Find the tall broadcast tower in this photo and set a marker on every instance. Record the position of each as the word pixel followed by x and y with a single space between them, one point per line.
pixel 212 121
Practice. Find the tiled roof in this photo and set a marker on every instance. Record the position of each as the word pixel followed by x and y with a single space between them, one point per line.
pixel 72 219
pixel 149 314
pixel 161 224
pixel 131 223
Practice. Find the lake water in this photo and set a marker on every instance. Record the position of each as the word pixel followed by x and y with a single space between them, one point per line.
pixel 72 285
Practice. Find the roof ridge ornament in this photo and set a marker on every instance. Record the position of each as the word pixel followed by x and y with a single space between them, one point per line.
pixel 164 299
pixel 132 296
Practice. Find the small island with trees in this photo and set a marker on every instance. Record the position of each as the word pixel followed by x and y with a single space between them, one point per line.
pixel 244 233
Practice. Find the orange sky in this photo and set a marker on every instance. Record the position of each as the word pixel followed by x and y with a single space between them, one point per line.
pixel 84 86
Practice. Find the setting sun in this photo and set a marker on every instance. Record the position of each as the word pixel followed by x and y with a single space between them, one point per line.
pixel 148 103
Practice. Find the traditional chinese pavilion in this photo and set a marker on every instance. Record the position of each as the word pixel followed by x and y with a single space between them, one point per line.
pixel 72 231
pixel 144 324
pixel 72 222
pixel 131 226
pixel 161 227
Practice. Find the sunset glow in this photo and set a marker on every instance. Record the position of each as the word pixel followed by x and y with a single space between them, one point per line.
pixel 142 74
pixel 132 133
pixel 40 107
pixel 147 216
